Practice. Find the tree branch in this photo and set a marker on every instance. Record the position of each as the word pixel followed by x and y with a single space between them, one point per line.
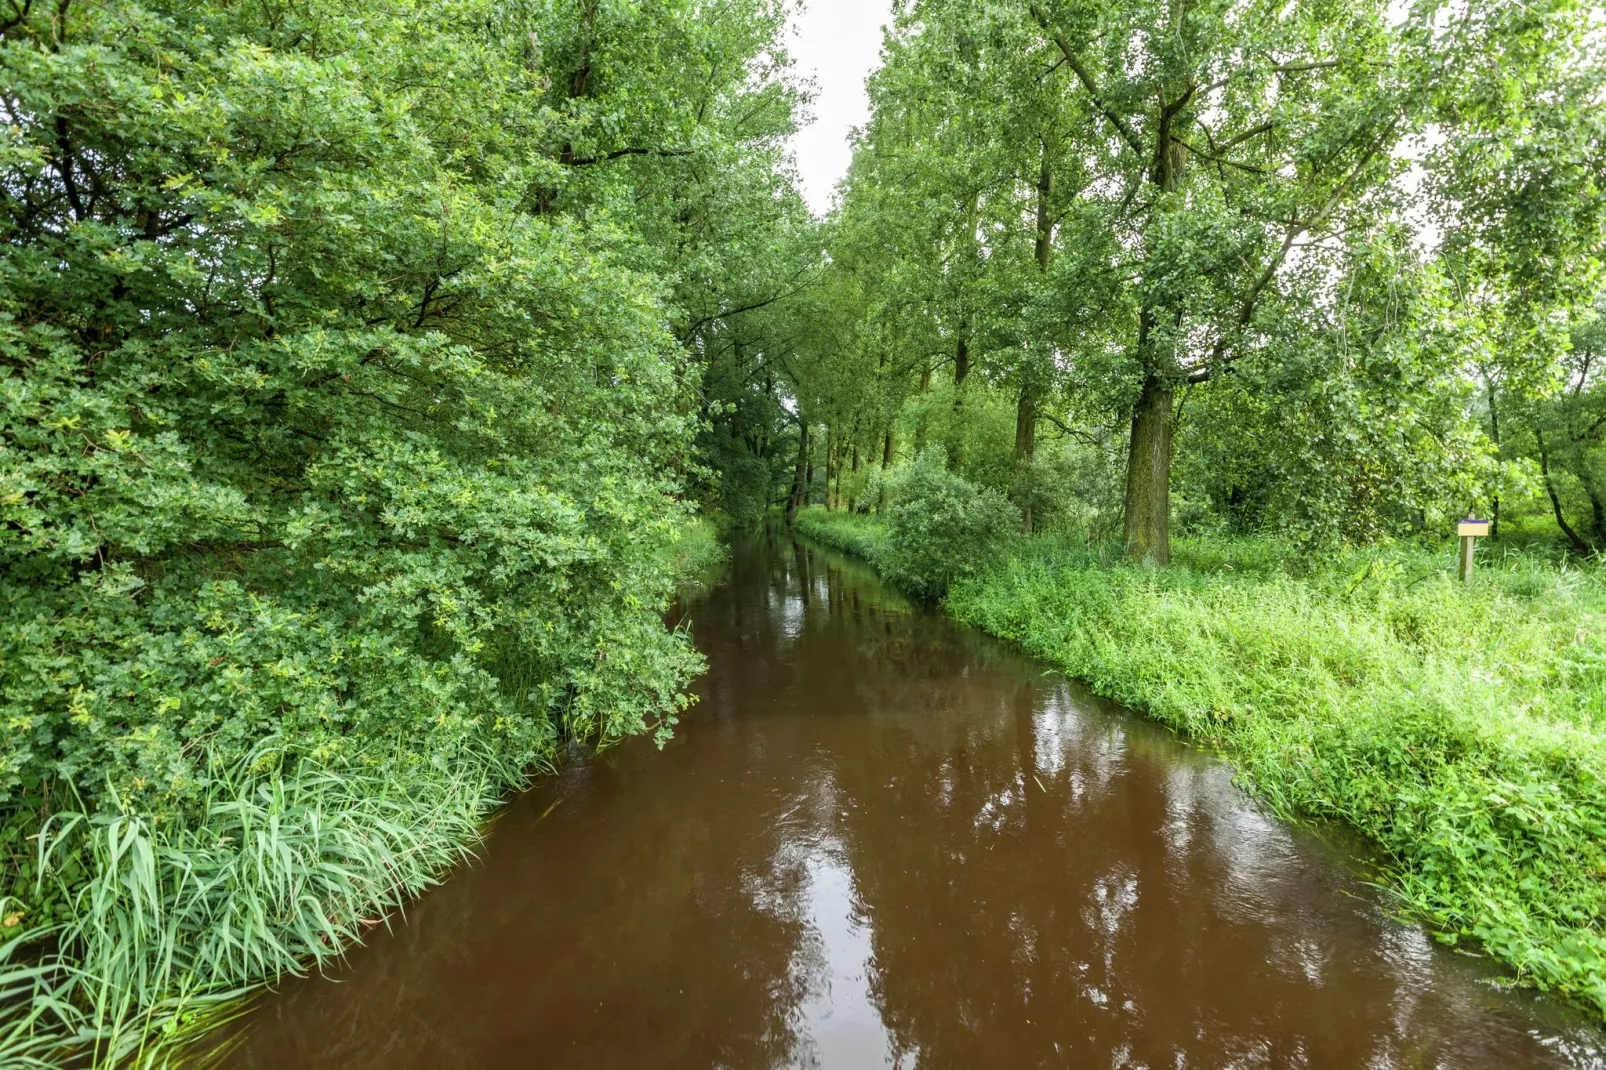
pixel 1296 227
pixel 1312 65
pixel 1127 133
pixel 1220 159
pixel 1070 431
pixel 750 307
pixel 64 167
pixel 587 161
pixel 1263 128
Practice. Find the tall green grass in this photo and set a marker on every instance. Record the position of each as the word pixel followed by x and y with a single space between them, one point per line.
pixel 1462 729
pixel 175 922
pixel 863 536
pixel 697 554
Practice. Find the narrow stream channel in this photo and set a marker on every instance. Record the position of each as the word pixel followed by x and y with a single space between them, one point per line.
pixel 883 840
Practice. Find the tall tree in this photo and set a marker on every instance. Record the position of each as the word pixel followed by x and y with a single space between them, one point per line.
pixel 1226 136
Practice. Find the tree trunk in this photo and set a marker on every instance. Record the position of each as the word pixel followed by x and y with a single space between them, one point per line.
pixel 1555 500
pixel 1494 436
pixel 1148 475
pixel 830 467
pixel 765 429
pixel 920 427
pixel 1597 509
pixel 799 478
pixel 1148 467
pixel 887 453
pixel 1026 410
pixel 1026 407
pixel 1025 448
pixel 956 430
pixel 808 480
pixel 1045 226
pixel 1026 425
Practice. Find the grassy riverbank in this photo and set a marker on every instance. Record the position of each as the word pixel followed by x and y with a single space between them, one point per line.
pixel 1461 729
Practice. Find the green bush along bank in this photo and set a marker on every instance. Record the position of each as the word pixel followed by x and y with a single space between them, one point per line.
pixel 1461 729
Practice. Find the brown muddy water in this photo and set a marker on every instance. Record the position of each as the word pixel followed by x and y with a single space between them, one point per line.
pixel 883 840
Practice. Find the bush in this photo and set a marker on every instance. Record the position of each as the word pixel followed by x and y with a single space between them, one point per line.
pixel 943 527
pixel 1071 487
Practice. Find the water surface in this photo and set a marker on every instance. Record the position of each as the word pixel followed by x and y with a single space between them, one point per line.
pixel 881 840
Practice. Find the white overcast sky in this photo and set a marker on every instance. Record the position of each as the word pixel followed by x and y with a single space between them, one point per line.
pixel 837 43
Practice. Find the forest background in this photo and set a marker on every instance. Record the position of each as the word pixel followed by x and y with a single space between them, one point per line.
pixel 365 369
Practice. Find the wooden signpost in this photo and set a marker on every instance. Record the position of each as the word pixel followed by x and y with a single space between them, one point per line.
pixel 1469 529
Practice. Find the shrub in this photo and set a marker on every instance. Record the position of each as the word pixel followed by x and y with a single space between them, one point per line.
pixel 943 527
pixel 1070 487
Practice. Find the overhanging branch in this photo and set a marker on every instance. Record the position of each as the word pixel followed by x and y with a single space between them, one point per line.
pixel 1082 75
pixel 634 150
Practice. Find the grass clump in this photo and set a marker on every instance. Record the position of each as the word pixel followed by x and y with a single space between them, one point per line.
pixel 168 924
pixel 696 555
pixel 862 536
pixel 1459 728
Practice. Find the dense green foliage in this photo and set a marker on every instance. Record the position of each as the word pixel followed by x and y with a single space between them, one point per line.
pixel 252 387
pixel 347 397
pixel 1321 269
pixel 1463 731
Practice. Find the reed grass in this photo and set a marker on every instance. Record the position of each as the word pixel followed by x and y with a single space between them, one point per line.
pixel 286 868
pixel 697 555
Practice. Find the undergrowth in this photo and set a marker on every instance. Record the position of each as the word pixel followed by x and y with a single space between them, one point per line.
pixel 170 924
pixel 1461 728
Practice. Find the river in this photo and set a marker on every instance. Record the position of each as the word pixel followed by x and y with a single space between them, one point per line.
pixel 882 840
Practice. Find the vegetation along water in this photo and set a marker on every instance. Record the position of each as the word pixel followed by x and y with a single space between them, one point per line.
pixel 373 374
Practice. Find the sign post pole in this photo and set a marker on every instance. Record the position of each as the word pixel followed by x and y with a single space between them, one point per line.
pixel 1469 529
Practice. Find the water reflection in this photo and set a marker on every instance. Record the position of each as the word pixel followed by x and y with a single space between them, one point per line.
pixel 884 841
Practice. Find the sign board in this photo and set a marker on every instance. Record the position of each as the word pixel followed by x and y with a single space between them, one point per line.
pixel 1470 526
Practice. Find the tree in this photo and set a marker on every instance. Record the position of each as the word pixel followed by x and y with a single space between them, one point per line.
pixel 1227 136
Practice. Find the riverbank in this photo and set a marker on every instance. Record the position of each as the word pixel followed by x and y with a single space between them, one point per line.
pixel 1460 729
pixel 129 933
